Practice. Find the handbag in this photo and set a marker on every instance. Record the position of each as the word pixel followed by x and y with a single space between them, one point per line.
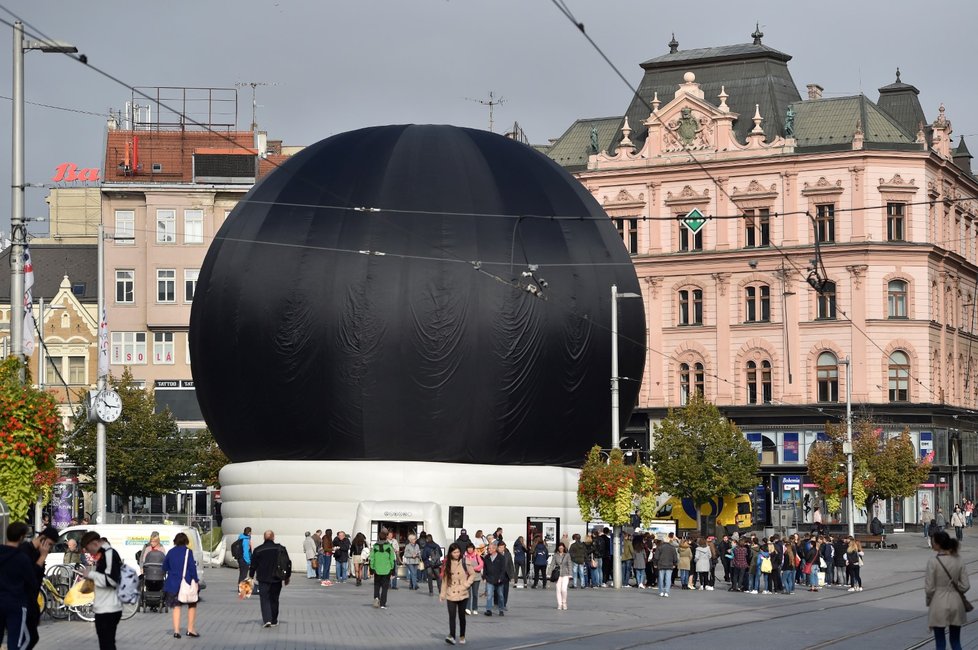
pixel 315 563
pixel 967 603
pixel 188 591
pixel 594 563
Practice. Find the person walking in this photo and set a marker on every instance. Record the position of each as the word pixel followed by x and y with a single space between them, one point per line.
pixel 244 555
pixel 957 520
pixel 106 574
pixel 392 540
pixel 17 581
pixel 510 572
pixel 665 557
pixel 945 583
pixel 431 556
pixel 383 562
pixel 473 564
pixel 495 574
pixel 939 521
pixel 519 559
pixel 312 559
pixel 411 559
pixel 561 564
pixel 454 584
pixel 180 567
pixel 265 565
pixel 541 557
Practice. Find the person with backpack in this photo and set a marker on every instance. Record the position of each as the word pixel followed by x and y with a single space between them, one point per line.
pixel 519 561
pixel 541 557
pixel 106 574
pixel 180 568
pixel 431 557
pixel 271 565
pixel 241 551
pixel 383 562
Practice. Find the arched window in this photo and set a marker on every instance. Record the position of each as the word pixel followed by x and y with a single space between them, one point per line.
pixel 757 305
pixel 759 382
pixel 691 378
pixel 826 302
pixel 896 299
pixel 827 377
pixel 899 377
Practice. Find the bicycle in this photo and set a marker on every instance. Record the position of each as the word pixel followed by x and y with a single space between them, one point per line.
pixel 54 588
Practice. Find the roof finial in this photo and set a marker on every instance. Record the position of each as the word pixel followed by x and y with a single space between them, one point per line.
pixel 898 75
pixel 758 34
pixel 673 44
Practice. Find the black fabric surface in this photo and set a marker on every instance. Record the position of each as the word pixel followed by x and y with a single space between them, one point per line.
pixel 303 348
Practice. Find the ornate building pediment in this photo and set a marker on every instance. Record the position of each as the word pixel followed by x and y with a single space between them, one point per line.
pixel 822 187
pixel 754 195
pixel 897 185
pixel 687 197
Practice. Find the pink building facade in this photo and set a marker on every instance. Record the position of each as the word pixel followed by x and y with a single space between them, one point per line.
pixel 836 228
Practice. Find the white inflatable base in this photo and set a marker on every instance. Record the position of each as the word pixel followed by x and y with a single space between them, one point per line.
pixel 291 497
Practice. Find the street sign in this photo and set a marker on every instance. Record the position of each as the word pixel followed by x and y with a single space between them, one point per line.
pixel 694 220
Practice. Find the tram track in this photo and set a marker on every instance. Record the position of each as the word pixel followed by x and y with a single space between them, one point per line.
pixel 767 606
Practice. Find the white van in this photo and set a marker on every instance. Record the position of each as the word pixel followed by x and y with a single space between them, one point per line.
pixel 128 539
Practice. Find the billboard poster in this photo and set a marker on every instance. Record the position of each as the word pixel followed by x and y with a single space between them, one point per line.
pixel 791 447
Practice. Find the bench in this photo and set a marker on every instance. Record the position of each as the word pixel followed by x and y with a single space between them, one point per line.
pixel 873 541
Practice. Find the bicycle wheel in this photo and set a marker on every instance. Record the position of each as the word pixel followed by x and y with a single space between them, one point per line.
pixel 129 610
pixel 84 612
pixel 54 604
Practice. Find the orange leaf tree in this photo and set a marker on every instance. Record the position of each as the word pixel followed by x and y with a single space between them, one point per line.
pixel 611 490
pixel 30 432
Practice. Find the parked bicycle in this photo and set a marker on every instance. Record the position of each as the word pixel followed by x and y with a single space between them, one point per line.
pixel 55 587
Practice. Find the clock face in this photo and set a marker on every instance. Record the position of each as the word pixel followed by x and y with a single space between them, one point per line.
pixel 108 406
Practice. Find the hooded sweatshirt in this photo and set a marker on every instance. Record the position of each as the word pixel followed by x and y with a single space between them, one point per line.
pixel 245 547
pixel 16 577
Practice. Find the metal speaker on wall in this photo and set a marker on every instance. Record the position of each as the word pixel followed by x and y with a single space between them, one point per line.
pixel 455 516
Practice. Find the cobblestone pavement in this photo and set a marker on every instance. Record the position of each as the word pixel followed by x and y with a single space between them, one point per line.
pixel 889 614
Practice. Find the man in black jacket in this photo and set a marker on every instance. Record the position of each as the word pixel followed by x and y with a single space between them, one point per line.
pixel 17 581
pixel 496 575
pixel 37 551
pixel 264 566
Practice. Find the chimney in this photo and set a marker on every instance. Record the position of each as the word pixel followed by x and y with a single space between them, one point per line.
pixel 815 91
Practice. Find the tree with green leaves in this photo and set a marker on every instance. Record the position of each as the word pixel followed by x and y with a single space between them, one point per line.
pixel 611 490
pixel 146 454
pixel 210 459
pixel 30 433
pixel 884 467
pixel 699 454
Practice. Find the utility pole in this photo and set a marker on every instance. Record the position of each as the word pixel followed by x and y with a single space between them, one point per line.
pixel 101 491
pixel 492 102
pixel 847 449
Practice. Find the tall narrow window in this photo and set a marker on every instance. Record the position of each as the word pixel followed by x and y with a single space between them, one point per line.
pixel 125 228
pixel 628 229
pixel 896 299
pixel 166 285
pixel 767 392
pixel 125 286
pixel 826 302
pixel 685 388
pixel 52 366
pixel 699 379
pixel 751 382
pixel 163 347
pixel 688 241
pixel 193 226
pixel 825 222
pixel 691 307
pixel 758 228
pixel 190 284
pixel 76 370
pixel 894 221
pixel 166 226
pixel 827 377
pixel 759 382
pixel 757 306
pixel 899 378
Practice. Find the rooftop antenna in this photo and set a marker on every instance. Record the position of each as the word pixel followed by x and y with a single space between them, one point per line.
pixel 254 103
pixel 492 102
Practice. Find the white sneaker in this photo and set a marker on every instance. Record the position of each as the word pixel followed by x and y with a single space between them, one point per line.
pixel 851 589
pixel 666 595
pixel 708 588
pixel 765 592
pixel 753 591
pixel 859 588
pixel 468 611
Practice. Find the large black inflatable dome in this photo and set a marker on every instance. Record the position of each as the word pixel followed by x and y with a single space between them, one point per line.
pixel 367 300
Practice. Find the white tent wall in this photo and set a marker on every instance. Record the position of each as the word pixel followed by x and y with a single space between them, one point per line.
pixel 291 497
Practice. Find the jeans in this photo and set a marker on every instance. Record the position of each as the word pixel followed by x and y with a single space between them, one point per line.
pixel 737 577
pixel 788 578
pixel 474 596
pixel 939 641
pixel 324 563
pixel 597 576
pixel 580 572
pixel 310 571
pixel 268 595
pixel 639 576
pixel 813 577
pixel 412 575
pixel 341 570
pixel 626 571
pixel 754 581
pixel 665 580
pixel 495 595
pixel 683 578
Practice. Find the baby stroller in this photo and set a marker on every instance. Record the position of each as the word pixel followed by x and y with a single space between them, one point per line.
pixel 151 584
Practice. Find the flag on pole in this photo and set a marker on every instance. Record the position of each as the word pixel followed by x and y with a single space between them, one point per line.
pixel 28 342
pixel 103 345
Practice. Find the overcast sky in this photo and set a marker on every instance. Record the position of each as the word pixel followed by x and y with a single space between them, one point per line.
pixel 336 66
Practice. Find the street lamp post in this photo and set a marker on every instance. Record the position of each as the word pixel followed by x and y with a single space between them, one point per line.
pixel 847 448
pixel 615 434
pixel 18 229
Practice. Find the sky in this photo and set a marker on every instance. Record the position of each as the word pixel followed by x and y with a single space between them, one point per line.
pixel 330 67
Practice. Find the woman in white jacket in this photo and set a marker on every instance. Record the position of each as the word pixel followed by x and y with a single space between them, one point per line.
pixel 702 559
pixel 957 520
pixel 945 582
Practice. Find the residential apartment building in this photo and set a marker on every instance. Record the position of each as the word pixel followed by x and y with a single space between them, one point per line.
pixel 834 228
pixel 167 190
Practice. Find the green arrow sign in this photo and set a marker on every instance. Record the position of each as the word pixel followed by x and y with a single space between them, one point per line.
pixel 694 220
